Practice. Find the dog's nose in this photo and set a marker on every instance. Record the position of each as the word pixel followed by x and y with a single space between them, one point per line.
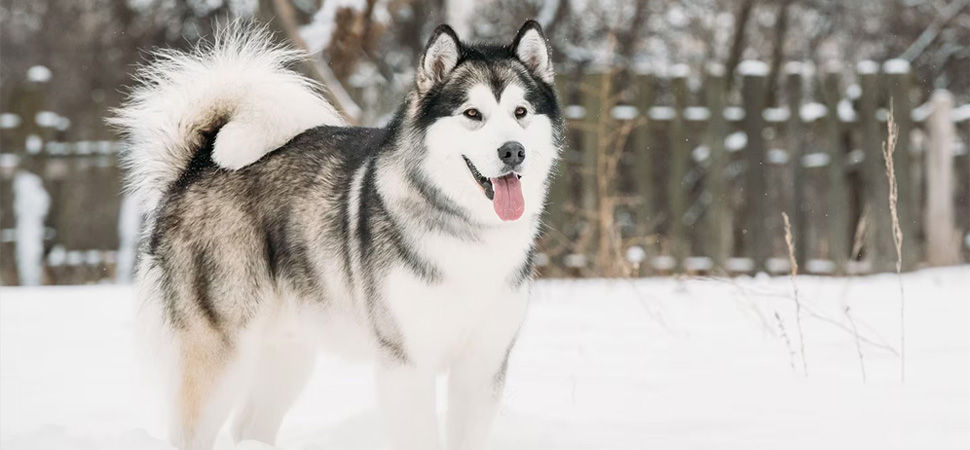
pixel 511 153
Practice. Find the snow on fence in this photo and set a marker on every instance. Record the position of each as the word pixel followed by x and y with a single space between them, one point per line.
pixel 688 199
pixel 707 180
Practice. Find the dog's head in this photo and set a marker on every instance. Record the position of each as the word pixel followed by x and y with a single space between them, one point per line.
pixel 492 123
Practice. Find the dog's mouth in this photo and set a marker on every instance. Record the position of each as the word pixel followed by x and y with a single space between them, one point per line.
pixel 505 192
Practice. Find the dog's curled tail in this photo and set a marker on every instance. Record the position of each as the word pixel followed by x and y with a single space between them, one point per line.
pixel 237 88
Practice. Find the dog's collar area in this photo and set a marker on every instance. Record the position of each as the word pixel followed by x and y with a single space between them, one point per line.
pixel 484 182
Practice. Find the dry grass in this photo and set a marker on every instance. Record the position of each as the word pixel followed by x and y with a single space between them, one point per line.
pixel 602 242
pixel 784 335
pixel 858 343
pixel 793 264
pixel 861 229
pixel 888 151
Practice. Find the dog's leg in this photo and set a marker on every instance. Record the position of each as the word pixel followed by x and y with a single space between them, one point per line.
pixel 282 369
pixel 407 398
pixel 208 370
pixel 475 386
pixel 477 376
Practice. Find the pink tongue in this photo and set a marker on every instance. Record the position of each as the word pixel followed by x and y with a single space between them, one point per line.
pixel 508 201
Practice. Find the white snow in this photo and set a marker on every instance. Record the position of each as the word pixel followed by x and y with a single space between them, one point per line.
pixel 737 264
pixel 679 71
pixel 129 226
pixel 867 67
pixel 776 115
pixel 795 67
pixel 661 113
pixel 961 113
pixel 697 113
pixel 624 112
pixel 715 69
pixel 575 260
pixel 820 266
pixel 856 156
pixel 38 74
pixel 9 160
pixel 34 144
pixel 319 31
pixel 736 141
pixel 700 153
pixel 854 91
pixel 698 263
pixel 9 120
pixel 882 114
pixel 777 156
pixel 636 254
pixel 811 112
pixel 30 206
pixel 846 111
pixel 47 119
pixel 753 68
pixel 670 363
pixel 575 112
pixel 896 66
pixel 663 262
pixel 816 159
pixel 733 113
pixel 921 112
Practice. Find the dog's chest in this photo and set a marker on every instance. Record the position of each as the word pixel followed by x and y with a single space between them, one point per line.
pixel 475 289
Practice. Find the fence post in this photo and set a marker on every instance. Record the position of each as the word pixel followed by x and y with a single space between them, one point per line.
pixel 753 96
pixel 942 239
pixel 679 154
pixel 795 143
pixel 592 99
pixel 880 250
pixel 643 160
pixel 898 77
pixel 718 217
pixel 837 200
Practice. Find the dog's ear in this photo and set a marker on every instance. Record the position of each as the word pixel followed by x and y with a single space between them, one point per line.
pixel 532 48
pixel 440 57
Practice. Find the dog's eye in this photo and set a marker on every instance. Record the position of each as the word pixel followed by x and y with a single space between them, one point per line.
pixel 473 114
pixel 520 112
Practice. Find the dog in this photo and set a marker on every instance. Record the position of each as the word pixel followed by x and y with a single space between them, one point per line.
pixel 273 230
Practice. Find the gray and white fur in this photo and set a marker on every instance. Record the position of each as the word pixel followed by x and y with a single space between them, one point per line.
pixel 273 230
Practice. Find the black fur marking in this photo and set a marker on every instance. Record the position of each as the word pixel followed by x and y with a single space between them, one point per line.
pixel 169 296
pixel 366 198
pixel 204 268
pixel 201 162
pixel 498 380
pixel 435 198
pixel 288 259
pixel 373 214
pixel 487 64
pixel 391 349
pixel 525 270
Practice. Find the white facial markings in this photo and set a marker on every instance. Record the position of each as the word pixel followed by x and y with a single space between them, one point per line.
pixel 480 98
pixel 450 138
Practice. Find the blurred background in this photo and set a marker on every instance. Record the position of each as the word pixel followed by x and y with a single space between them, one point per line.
pixel 693 124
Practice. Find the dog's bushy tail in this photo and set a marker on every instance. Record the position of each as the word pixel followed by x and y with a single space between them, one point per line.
pixel 237 88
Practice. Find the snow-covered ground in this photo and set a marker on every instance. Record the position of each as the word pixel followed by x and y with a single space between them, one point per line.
pixel 654 363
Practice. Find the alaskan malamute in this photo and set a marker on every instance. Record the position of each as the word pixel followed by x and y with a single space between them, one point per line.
pixel 274 229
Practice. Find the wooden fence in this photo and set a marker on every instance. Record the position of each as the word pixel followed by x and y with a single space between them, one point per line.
pixel 702 175
pixel 709 172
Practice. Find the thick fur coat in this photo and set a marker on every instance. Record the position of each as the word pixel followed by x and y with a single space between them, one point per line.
pixel 274 230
